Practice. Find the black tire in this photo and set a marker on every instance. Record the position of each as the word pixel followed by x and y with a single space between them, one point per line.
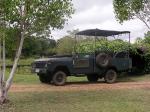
pixel 44 79
pixel 102 60
pixel 59 78
pixel 110 76
pixel 92 78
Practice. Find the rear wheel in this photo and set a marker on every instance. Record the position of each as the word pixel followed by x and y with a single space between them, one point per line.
pixel 92 77
pixel 44 79
pixel 110 76
pixel 59 78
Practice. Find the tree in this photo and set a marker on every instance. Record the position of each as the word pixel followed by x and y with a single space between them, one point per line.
pixel 66 44
pixel 130 9
pixel 30 17
pixel 38 46
pixel 139 41
pixel 147 37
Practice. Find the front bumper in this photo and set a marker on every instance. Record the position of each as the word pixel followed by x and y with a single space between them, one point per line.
pixel 39 67
pixel 39 70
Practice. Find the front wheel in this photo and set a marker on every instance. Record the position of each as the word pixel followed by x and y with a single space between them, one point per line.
pixel 110 76
pixel 59 78
pixel 92 77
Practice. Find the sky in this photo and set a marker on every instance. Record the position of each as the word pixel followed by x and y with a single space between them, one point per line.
pixel 91 14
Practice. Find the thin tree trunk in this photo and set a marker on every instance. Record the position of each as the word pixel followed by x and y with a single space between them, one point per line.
pixel 9 81
pixel 2 83
pixel 4 91
pixel 4 58
pixel 142 19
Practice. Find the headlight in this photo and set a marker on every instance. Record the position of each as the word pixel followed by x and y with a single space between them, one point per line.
pixel 49 62
pixel 46 65
pixel 33 65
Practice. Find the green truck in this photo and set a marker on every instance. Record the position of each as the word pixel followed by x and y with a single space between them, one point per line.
pixel 93 65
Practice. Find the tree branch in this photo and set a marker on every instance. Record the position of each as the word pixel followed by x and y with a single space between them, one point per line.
pixel 142 19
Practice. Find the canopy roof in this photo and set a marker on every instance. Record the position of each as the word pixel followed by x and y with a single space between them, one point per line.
pixel 98 32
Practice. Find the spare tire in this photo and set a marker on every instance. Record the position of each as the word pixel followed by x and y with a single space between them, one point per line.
pixel 102 60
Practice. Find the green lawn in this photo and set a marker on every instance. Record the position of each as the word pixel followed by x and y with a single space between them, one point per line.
pixel 24 61
pixel 81 101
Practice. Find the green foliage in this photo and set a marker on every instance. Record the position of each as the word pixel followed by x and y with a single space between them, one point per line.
pixel 65 45
pixel 12 40
pixel 38 46
pixel 33 46
pixel 34 17
pixel 144 45
pixel 147 37
pixel 130 9
pixel 102 45
pixel 37 16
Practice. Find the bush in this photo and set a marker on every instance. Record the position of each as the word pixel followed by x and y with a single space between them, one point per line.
pixel 102 45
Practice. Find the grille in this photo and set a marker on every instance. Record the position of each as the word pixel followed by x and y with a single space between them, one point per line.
pixel 40 65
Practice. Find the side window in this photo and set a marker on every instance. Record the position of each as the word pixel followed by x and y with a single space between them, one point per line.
pixel 122 55
pixel 87 56
pixel 83 56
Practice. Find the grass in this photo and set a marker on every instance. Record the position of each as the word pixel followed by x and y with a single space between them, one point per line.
pixel 23 61
pixel 81 101
pixel 134 78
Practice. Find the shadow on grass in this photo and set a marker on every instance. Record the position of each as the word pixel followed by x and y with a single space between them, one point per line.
pixel 121 78
pixel 84 82
pixel 133 77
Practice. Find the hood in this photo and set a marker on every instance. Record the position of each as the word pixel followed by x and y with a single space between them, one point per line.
pixel 53 59
pixel 42 59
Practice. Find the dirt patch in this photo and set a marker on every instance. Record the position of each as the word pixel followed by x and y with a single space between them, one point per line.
pixel 79 87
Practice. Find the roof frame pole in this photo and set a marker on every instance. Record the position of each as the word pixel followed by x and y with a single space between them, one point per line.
pixel 129 45
pixel 94 51
pixel 75 44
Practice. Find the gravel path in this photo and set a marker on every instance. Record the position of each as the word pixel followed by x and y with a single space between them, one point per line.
pixel 79 87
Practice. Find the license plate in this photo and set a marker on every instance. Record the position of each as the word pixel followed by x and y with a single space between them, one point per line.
pixel 37 70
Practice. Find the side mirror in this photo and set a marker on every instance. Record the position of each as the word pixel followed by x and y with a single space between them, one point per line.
pixel 75 56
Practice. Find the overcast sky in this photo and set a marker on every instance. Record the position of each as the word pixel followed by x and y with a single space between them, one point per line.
pixel 99 14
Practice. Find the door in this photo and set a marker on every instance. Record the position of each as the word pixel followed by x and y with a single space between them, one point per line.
pixel 122 61
pixel 82 63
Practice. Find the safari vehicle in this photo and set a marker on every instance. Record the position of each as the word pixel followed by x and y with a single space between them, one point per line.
pixel 93 65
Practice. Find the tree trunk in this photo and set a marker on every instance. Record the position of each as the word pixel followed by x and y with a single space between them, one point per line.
pixel 5 88
pixel 9 81
pixel 3 95
pixel 4 58
pixel 2 70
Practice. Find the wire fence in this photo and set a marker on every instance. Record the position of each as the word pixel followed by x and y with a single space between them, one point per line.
pixel 21 69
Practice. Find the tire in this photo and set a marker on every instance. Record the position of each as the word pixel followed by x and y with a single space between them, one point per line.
pixel 44 79
pixel 102 60
pixel 110 76
pixel 59 78
pixel 92 78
